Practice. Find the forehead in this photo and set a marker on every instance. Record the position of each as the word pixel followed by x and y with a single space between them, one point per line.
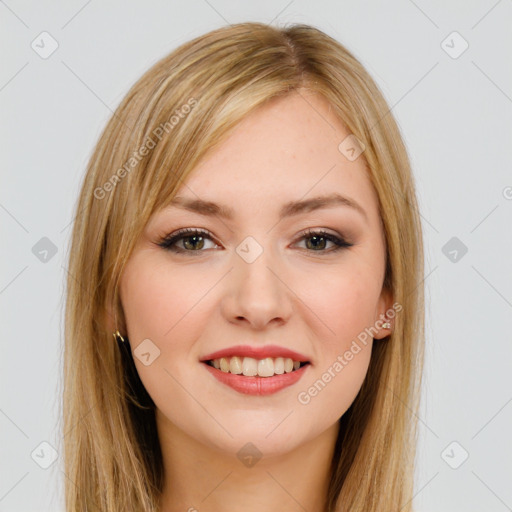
pixel 285 150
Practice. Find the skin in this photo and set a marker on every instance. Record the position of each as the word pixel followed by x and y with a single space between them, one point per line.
pixel 293 295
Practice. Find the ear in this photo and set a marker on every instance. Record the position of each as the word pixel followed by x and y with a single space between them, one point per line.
pixel 384 306
pixel 111 321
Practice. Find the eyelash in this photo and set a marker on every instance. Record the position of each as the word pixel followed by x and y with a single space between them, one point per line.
pixel 169 241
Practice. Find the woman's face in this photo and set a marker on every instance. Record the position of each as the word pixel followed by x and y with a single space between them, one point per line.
pixel 256 279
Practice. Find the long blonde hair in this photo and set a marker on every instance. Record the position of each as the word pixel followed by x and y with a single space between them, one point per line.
pixel 183 106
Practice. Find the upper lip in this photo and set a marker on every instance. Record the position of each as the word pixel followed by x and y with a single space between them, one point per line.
pixel 256 352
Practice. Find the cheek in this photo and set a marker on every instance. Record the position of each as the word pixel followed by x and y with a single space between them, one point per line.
pixel 344 302
pixel 168 307
pixel 159 302
pixel 164 305
pixel 335 385
pixel 343 355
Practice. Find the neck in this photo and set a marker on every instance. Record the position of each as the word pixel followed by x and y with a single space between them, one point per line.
pixel 200 478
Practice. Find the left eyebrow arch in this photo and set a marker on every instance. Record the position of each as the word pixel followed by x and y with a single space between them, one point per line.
pixel 211 209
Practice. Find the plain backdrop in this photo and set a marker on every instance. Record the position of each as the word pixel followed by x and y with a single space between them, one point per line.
pixel 444 68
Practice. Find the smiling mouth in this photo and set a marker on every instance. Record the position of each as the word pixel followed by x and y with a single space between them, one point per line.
pixel 250 367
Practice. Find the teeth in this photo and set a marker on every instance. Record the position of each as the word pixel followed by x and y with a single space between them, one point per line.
pixel 266 367
pixel 235 366
pixel 224 365
pixel 251 367
pixel 278 365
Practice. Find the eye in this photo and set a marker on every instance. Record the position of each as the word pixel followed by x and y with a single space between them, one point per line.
pixel 195 240
pixel 319 238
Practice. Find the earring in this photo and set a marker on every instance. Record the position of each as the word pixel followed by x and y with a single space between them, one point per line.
pixel 118 337
pixel 386 325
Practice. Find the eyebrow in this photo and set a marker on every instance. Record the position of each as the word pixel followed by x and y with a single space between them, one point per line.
pixel 289 209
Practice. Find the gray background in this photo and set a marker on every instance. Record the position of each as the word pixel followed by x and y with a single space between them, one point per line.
pixel 454 110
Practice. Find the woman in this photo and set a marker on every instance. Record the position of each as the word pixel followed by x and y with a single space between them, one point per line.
pixel 248 230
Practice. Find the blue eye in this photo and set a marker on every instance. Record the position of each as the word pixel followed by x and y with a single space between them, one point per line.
pixel 194 240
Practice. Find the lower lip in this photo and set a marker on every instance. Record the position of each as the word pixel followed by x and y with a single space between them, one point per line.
pixel 259 386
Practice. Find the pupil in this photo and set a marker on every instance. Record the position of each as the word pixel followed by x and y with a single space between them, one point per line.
pixel 315 245
pixel 195 238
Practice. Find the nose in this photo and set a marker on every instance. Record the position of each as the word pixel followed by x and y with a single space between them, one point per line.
pixel 257 293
